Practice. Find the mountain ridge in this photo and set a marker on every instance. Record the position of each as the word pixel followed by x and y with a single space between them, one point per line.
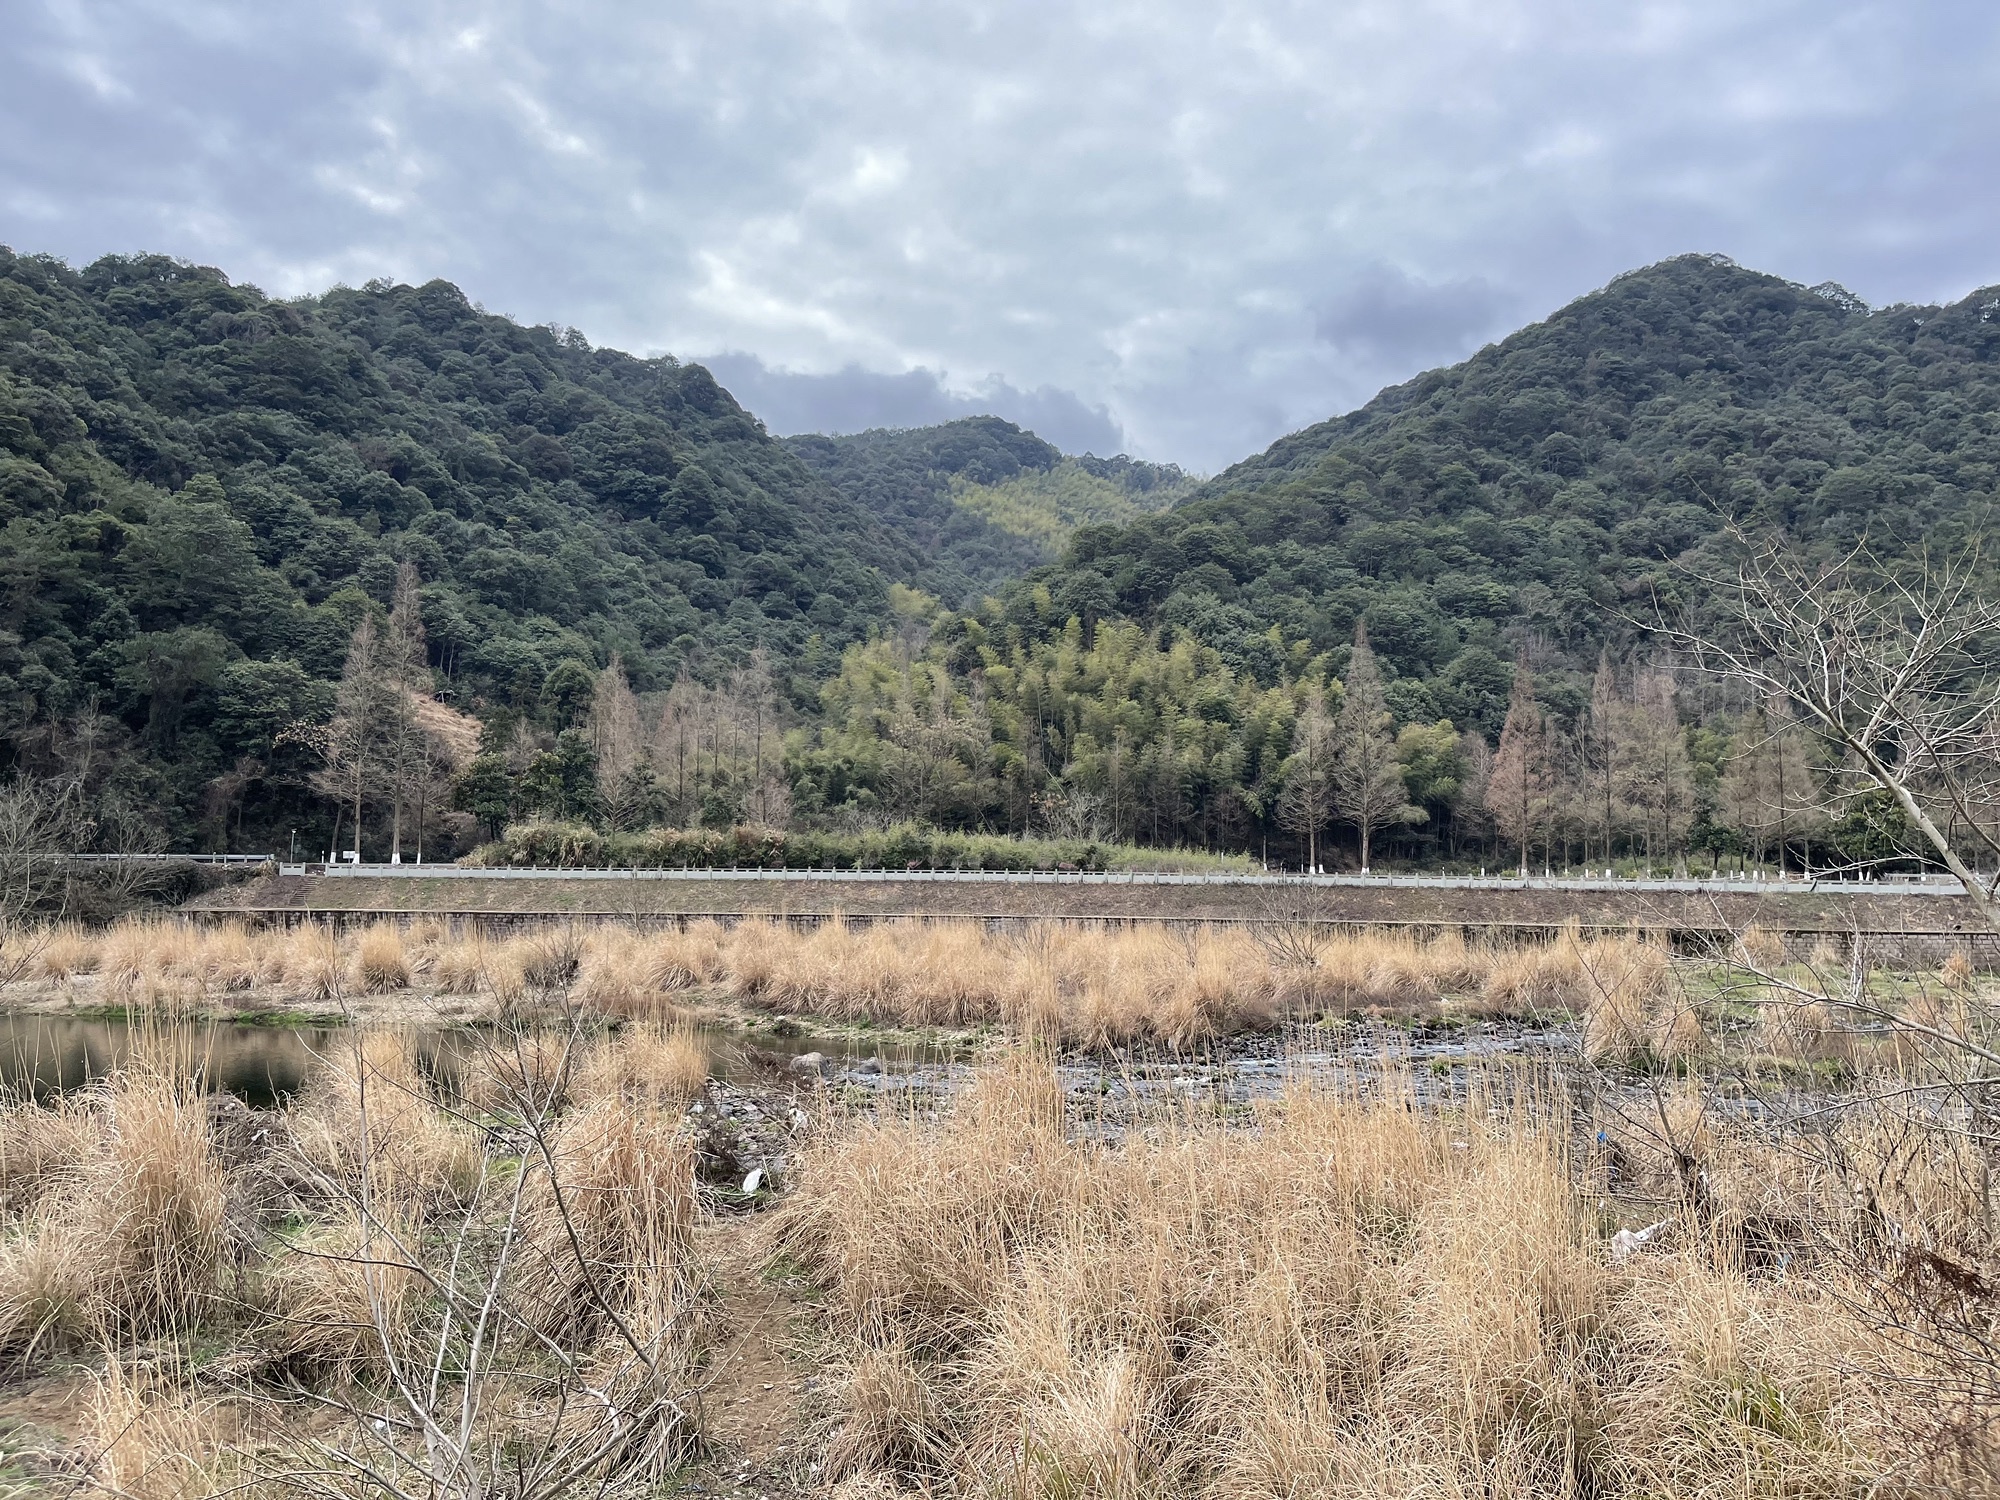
pixel 202 489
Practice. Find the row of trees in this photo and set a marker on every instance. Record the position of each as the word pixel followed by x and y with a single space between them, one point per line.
pixel 1630 774
pixel 698 755
pixel 391 744
pixel 1129 738
pixel 1626 776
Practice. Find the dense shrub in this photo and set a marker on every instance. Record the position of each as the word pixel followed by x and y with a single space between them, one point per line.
pixel 576 846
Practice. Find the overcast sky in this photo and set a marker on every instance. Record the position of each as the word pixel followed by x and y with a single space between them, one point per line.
pixel 1175 228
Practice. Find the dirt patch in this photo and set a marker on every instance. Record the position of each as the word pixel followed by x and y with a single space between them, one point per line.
pixel 750 1406
pixel 41 1414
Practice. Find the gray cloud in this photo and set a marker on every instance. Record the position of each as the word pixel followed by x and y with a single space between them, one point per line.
pixel 854 400
pixel 1384 316
pixel 1210 223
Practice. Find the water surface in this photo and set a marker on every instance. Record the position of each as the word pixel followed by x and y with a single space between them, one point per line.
pixel 45 1055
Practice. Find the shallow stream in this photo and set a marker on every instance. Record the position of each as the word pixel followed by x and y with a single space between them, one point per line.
pixel 45 1055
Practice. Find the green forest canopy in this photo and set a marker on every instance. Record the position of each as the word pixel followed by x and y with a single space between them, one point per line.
pixel 1525 503
pixel 203 489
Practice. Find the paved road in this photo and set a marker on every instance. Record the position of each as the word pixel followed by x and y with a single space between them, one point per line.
pixel 1795 886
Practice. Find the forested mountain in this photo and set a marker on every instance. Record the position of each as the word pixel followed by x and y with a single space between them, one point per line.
pixel 1516 507
pixel 203 489
pixel 380 550
pixel 1525 497
pixel 983 500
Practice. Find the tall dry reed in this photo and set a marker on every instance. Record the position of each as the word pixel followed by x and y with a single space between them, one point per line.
pixel 1357 1298
pixel 138 1236
pixel 1082 983
pixel 370 1111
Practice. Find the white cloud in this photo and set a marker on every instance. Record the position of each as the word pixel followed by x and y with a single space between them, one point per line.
pixel 1208 224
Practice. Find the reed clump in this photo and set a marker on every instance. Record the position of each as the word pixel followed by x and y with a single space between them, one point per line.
pixel 63 952
pixel 340 1296
pixel 381 962
pixel 372 1250
pixel 370 1109
pixel 1355 1298
pixel 151 1437
pixel 644 1064
pixel 607 1232
pixel 1078 983
pixel 130 1229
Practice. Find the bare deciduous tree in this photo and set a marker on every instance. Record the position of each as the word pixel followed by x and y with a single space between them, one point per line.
pixel 1892 666
pixel 351 745
pixel 1363 775
pixel 1517 786
pixel 619 740
pixel 1305 803
pixel 41 824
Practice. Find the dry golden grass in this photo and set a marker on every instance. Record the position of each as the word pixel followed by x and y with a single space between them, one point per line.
pixel 1949 1015
pixel 225 957
pixel 151 1217
pixel 608 1232
pixel 340 1297
pixel 613 977
pixel 138 1236
pixel 313 964
pixel 1356 1299
pixel 41 1146
pixel 1096 986
pixel 65 951
pixel 150 1438
pixel 643 1065
pixel 521 1072
pixel 1956 972
pixel 1761 948
pixel 369 1108
pixel 686 956
pixel 1804 1030
pixel 126 953
pixel 136 1228
pixel 458 964
pixel 380 963
pixel 1083 984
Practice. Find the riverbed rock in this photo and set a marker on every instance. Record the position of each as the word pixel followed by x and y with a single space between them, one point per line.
pixel 808 1062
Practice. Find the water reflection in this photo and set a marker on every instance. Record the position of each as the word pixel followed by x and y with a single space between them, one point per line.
pixel 45 1055
pixel 42 1056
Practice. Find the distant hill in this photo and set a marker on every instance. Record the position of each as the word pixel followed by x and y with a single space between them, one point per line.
pixel 1046 505
pixel 982 499
pixel 203 487
pixel 1532 492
